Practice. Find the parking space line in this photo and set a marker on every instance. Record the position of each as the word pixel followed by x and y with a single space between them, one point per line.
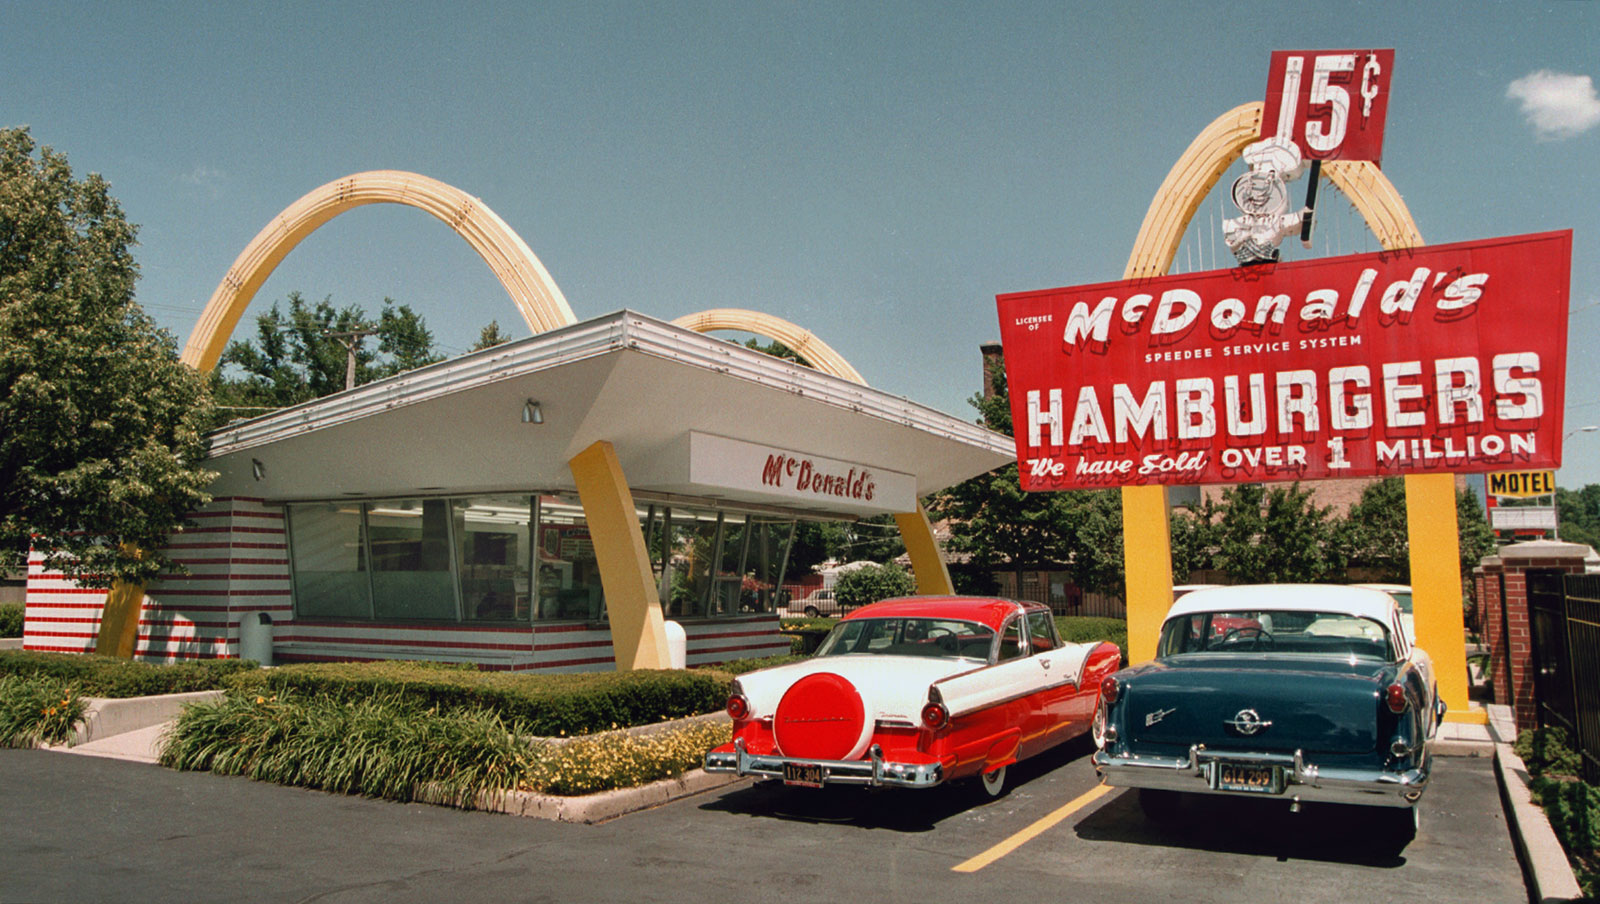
pixel 1032 831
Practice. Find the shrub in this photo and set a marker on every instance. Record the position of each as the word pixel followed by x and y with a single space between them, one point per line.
pixel 11 620
pixel 107 676
pixel 871 583
pixel 35 711
pixel 741 666
pixel 1090 628
pixel 544 704
pixel 1545 752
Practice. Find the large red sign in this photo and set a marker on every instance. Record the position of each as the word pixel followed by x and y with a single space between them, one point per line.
pixel 1331 103
pixel 1438 359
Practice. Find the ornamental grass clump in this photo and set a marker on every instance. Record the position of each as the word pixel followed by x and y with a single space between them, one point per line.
pixel 384 746
pixel 37 711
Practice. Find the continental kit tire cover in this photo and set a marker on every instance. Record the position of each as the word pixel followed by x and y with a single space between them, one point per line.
pixel 822 717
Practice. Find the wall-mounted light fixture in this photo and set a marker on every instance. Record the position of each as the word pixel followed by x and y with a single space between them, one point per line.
pixel 532 413
pixel 257 469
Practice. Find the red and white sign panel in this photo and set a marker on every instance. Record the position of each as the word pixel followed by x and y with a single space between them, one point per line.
pixel 1449 358
pixel 1331 103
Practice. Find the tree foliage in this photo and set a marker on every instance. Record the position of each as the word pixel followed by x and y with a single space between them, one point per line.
pixel 1277 535
pixel 294 358
pixel 1578 512
pixel 870 583
pixel 100 423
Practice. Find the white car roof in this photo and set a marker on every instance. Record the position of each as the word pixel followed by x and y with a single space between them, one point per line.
pixel 1359 601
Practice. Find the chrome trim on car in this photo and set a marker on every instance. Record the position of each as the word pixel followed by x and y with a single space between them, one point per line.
pixel 1302 780
pixel 874 771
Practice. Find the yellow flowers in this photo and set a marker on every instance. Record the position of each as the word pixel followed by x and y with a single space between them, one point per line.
pixel 619 760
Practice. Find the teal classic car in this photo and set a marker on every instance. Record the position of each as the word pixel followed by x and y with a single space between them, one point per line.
pixel 1294 692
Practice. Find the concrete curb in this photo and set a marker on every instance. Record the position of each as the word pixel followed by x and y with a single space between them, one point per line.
pixel 1544 862
pixel 107 717
pixel 592 808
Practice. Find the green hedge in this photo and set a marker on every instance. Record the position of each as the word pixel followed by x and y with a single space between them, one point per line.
pixel 545 704
pixel 106 676
pixel 1572 805
pixel 11 620
pixel 741 666
pixel 1090 628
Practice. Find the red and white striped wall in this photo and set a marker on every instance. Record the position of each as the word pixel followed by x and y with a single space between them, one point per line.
pixel 238 562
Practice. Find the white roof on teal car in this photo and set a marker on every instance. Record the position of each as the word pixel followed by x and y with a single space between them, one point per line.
pixel 1358 601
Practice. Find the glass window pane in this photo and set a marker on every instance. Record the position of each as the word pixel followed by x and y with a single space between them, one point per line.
pixel 410 543
pixel 568 575
pixel 694 543
pixel 330 573
pixel 492 538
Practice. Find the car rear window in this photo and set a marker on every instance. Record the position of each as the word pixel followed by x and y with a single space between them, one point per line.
pixel 1277 632
pixel 931 637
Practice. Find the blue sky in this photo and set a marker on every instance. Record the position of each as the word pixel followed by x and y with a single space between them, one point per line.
pixel 876 173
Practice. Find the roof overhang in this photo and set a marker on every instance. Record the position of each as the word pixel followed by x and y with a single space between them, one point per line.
pixel 655 391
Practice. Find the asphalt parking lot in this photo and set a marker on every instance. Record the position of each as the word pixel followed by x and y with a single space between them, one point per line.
pixel 84 829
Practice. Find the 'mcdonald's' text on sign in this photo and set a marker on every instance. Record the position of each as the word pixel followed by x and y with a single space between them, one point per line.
pixel 1436 359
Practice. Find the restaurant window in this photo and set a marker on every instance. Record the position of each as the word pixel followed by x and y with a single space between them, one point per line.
pixel 494 551
pixel 330 572
pixel 567 577
pixel 710 563
pixel 412 568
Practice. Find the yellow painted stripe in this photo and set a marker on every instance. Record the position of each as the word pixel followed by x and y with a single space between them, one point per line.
pixel 1033 831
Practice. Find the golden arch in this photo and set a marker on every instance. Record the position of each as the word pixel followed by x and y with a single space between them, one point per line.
pixel 536 295
pixel 816 352
pixel 1430 498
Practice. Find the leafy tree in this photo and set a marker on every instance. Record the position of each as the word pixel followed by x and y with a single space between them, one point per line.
pixel 1373 534
pixel 294 358
pixel 489 337
pixel 1194 536
pixel 1579 515
pixel 1476 537
pixel 100 423
pixel 871 583
pixel 1275 536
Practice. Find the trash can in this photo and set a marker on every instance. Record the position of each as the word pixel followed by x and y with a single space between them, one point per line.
pixel 255 637
pixel 677 646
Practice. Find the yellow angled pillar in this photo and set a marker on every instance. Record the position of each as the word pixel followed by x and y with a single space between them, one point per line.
pixel 119 622
pixel 1147 562
pixel 927 566
pixel 1436 587
pixel 638 629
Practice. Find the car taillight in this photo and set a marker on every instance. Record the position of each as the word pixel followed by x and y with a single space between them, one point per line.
pixel 738 707
pixel 935 716
pixel 1109 689
pixel 1395 697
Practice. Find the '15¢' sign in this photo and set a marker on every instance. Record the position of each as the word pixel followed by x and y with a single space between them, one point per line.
pixel 1331 103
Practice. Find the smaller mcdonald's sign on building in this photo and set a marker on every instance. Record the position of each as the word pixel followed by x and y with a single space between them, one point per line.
pixel 1522 484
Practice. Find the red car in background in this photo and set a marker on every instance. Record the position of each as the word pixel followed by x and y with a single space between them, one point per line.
pixel 916 692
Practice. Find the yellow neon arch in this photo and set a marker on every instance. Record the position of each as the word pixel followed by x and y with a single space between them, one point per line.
pixel 525 279
pixel 816 352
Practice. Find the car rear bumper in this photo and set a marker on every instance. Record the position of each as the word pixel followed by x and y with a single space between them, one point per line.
pixel 1302 781
pixel 874 771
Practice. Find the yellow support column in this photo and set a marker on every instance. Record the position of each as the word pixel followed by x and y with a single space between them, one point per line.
pixel 927 566
pixel 119 622
pixel 1147 561
pixel 638 629
pixel 1436 587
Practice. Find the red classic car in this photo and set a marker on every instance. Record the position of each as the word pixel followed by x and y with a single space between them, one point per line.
pixel 914 692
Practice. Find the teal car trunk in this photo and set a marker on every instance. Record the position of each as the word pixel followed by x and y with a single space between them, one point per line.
pixel 1323 706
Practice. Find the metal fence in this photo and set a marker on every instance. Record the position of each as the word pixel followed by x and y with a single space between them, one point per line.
pixel 1564 623
pixel 1056 590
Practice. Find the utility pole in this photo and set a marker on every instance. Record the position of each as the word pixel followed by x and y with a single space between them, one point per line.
pixel 351 340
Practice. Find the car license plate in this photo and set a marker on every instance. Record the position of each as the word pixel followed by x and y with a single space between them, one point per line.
pixel 1246 777
pixel 806 775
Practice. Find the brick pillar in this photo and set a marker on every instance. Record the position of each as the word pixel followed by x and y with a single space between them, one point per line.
pixel 1511 638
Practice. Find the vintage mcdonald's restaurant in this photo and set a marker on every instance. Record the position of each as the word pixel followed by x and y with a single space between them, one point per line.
pixel 558 502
